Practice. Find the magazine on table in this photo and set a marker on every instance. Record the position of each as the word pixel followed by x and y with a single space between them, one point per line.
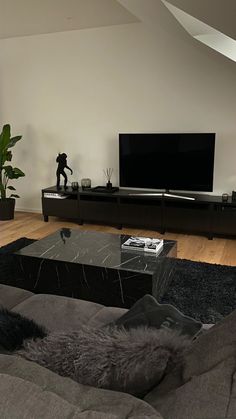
pixel 144 244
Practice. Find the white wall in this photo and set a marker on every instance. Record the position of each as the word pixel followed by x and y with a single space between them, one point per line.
pixel 75 91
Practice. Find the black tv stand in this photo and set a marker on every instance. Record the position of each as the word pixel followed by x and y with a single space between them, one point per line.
pixel 163 194
pixel 194 214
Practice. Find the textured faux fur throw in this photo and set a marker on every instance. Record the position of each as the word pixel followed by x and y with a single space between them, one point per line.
pixel 113 358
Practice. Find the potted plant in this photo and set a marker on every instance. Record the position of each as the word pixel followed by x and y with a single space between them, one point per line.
pixel 7 172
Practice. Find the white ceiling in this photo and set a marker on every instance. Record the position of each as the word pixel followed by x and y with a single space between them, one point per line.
pixel 204 33
pixel 31 17
pixel 219 14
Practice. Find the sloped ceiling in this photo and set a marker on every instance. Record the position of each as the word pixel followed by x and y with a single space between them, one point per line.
pixel 220 14
pixel 31 17
pixel 204 33
pixel 209 21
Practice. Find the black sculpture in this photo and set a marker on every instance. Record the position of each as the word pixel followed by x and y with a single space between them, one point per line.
pixel 62 164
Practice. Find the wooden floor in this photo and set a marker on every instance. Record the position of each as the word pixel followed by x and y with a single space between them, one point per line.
pixel 222 251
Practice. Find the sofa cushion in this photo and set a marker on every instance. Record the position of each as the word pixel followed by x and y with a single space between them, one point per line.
pixel 64 313
pixel 11 296
pixel 206 385
pixel 31 401
pixel 36 392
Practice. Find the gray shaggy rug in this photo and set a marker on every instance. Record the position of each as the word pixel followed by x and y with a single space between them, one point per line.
pixel 204 291
pixel 132 361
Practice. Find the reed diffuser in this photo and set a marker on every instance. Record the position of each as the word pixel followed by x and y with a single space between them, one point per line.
pixel 108 174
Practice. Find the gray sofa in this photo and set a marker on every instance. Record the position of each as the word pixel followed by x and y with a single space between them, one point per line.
pixel 205 388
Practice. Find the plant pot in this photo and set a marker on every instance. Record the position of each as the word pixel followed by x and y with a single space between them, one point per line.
pixel 7 207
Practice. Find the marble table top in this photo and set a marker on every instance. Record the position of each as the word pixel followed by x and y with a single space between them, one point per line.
pixel 94 249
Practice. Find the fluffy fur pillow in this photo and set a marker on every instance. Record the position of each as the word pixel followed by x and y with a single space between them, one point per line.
pixel 132 361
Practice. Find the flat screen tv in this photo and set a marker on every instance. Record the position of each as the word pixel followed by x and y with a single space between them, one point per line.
pixel 183 162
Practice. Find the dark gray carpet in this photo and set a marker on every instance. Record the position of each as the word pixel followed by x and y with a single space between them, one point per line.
pixel 203 291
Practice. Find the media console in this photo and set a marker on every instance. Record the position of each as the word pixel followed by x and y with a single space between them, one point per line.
pixel 164 194
pixel 202 214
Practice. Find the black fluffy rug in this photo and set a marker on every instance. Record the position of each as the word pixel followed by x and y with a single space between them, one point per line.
pixel 203 291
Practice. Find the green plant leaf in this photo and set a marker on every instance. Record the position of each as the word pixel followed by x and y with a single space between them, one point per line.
pixel 5 137
pixel 5 156
pixel 14 140
pixel 14 196
pixel 4 141
pixel 18 172
pixel 9 172
pixel 13 172
pixel 6 171
pixel 8 155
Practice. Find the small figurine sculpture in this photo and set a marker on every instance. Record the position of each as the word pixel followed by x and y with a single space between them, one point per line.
pixel 62 164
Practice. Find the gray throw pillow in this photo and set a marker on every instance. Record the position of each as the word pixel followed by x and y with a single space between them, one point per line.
pixel 148 312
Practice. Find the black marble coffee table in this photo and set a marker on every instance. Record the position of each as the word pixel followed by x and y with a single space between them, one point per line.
pixel 92 266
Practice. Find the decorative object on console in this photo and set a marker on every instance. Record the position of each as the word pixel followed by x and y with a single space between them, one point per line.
pixel 7 172
pixel 225 197
pixel 86 183
pixel 62 165
pixel 234 196
pixel 108 174
pixel 74 186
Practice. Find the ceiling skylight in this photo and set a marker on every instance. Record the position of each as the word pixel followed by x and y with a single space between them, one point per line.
pixel 204 33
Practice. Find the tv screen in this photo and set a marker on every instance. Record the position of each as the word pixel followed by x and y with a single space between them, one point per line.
pixel 182 162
